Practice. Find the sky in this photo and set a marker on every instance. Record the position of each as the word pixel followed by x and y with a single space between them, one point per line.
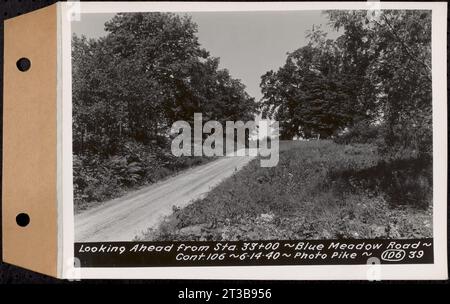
pixel 248 43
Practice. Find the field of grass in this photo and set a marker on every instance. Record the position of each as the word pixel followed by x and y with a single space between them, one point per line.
pixel 318 190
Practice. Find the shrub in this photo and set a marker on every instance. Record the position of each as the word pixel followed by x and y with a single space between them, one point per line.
pixel 98 178
pixel 363 133
pixel 403 182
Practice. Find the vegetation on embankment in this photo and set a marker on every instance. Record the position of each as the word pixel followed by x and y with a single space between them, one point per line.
pixel 99 179
pixel 319 190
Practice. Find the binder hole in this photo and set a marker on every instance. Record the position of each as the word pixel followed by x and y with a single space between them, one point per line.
pixel 22 219
pixel 23 64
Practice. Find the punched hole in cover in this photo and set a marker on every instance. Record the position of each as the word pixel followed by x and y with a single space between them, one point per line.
pixel 22 219
pixel 23 64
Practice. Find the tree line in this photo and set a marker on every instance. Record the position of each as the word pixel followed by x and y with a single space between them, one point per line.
pixel 372 83
pixel 146 73
pixel 129 87
pixel 374 80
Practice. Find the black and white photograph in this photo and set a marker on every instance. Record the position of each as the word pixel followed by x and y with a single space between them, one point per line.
pixel 351 91
pixel 241 126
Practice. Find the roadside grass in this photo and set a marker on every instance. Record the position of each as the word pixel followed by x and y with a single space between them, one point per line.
pixel 318 190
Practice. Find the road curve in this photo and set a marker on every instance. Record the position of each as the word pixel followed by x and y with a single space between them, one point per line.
pixel 124 218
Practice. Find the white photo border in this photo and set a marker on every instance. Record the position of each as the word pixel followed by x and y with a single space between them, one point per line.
pixel 437 270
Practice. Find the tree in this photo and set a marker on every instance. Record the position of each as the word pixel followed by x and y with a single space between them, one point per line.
pixel 314 92
pixel 129 87
pixel 377 72
pixel 399 42
pixel 146 73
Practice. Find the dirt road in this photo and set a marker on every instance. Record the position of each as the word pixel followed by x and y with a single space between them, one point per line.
pixel 124 218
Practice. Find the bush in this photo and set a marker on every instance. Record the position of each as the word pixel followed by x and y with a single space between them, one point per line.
pixel 402 182
pixel 393 141
pixel 363 133
pixel 406 141
pixel 98 178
